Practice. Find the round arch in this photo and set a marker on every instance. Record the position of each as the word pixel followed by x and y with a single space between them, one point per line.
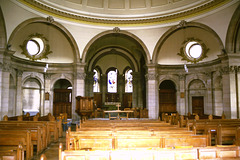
pixel 117 51
pixel 146 55
pixel 60 27
pixel 233 33
pixel 3 34
pixel 183 24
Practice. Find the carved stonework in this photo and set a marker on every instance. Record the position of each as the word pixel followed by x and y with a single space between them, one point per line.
pixel 48 76
pixel 208 75
pixel 116 29
pixel 80 76
pixel 151 76
pixel 181 77
pixel 19 73
pixel 183 23
pixel 6 67
pixel 50 19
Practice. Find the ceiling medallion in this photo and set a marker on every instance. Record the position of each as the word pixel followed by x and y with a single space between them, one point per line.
pixel 36 47
pixel 193 50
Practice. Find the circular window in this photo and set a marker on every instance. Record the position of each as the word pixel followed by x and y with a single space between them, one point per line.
pixel 193 50
pixel 35 47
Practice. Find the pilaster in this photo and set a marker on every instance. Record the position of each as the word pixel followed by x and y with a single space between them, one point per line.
pixel 152 92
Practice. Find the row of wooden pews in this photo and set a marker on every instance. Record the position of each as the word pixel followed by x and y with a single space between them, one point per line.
pixel 29 132
pixel 141 139
pixel 114 138
pixel 204 153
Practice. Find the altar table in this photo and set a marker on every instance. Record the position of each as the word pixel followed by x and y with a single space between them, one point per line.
pixel 118 113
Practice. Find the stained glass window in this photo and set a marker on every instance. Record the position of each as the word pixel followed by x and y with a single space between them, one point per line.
pixel 96 86
pixel 128 81
pixel 112 81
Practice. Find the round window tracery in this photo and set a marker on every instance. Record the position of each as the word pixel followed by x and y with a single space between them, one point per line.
pixel 193 51
pixel 36 47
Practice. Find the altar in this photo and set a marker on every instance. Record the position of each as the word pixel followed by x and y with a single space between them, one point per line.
pixel 118 114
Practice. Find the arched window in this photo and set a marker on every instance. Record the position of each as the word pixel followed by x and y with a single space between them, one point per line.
pixel 96 86
pixel 112 81
pixel 128 81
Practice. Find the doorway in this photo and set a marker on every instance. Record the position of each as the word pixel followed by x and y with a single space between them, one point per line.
pixel 198 105
pixel 167 97
pixel 62 100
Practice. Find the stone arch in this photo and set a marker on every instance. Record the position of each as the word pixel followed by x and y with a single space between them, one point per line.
pixel 57 25
pixel 233 33
pixel 181 25
pixel 176 83
pixel 146 55
pixel 3 34
pixel 32 95
pixel 58 78
pixel 121 52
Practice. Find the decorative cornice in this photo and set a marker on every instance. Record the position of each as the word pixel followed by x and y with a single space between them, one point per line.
pixel 110 20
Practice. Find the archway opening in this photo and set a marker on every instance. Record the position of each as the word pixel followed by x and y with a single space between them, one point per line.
pixel 62 100
pixel 167 97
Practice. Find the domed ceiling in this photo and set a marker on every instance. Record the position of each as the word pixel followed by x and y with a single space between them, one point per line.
pixel 125 12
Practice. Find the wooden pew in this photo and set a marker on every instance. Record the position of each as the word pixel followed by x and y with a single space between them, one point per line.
pixel 35 132
pixel 107 140
pixel 219 152
pixel 13 154
pixel 10 139
pixel 44 128
pixel 225 130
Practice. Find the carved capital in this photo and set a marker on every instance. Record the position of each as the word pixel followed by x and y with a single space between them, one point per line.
pixel 80 76
pixel 19 73
pixel 6 67
pixel 182 77
pixel 151 76
pixel 47 76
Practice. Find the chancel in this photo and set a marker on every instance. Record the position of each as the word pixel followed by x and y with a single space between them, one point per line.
pixel 126 79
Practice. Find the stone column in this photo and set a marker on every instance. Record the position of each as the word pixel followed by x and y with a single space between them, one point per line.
pixel 78 88
pixel 135 82
pixel 182 96
pixel 47 100
pixel 238 89
pixel 89 84
pixel 19 107
pixel 229 92
pixel 209 108
pixel 217 95
pixel 5 89
pixel 103 82
pixel 152 92
pixel 121 87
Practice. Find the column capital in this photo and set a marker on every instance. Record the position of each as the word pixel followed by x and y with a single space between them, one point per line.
pixel 47 75
pixel 19 73
pixel 151 76
pixel 81 76
pixel 182 77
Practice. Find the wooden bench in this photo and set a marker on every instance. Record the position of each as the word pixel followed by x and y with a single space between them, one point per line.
pixel 12 154
pixel 10 139
pixel 44 128
pixel 219 152
pixel 107 140
pixel 223 131
pixel 36 135
pixel 180 152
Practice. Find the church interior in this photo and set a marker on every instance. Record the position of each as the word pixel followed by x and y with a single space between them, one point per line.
pixel 119 79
